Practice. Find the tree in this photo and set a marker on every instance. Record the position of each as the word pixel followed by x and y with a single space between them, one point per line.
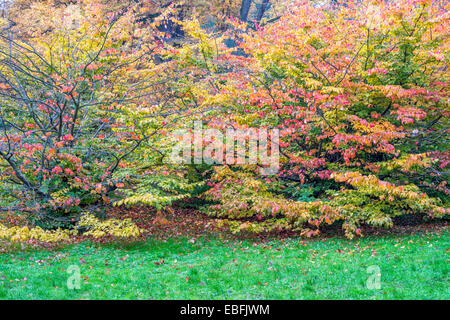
pixel 90 101
pixel 68 111
pixel 245 9
pixel 262 9
pixel 355 91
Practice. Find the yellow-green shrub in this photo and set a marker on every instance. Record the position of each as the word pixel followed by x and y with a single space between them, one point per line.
pixel 113 227
pixel 37 233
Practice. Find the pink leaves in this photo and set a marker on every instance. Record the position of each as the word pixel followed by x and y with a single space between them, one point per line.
pixel 407 115
pixel 57 170
pixel 68 137
pixel 275 210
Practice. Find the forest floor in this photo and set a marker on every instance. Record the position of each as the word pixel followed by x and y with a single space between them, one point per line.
pixel 182 259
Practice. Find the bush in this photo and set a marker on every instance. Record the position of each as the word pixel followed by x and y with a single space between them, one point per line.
pixel 66 119
pixel 358 93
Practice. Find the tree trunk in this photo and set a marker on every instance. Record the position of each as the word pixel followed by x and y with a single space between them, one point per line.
pixel 262 9
pixel 245 8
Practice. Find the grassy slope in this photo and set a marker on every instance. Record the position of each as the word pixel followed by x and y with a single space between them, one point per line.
pixel 412 267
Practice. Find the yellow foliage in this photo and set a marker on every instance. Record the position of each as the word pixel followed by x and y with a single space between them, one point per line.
pixel 114 227
pixel 24 234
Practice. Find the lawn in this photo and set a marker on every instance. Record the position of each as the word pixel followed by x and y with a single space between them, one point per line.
pixel 411 267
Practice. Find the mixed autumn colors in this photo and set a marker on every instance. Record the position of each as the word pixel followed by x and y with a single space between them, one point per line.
pixel 94 93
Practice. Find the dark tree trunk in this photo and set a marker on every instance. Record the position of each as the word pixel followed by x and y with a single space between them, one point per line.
pixel 262 9
pixel 245 8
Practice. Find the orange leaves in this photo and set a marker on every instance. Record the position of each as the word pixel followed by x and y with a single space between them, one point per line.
pixel 407 115
pixel 68 137
pixel 66 89
pixel 160 220
pixel 59 144
pixel 358 180
pixel 51 153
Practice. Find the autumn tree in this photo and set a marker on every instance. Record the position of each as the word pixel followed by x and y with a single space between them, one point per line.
pixel 91 98
pixel 69 110
pixel 358 93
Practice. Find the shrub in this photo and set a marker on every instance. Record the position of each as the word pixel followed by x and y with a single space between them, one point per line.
pixel 358 93
pixel 68 114
pixel 17 234
pixel 110 227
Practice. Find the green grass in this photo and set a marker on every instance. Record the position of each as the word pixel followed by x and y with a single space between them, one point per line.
pixel 411 267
